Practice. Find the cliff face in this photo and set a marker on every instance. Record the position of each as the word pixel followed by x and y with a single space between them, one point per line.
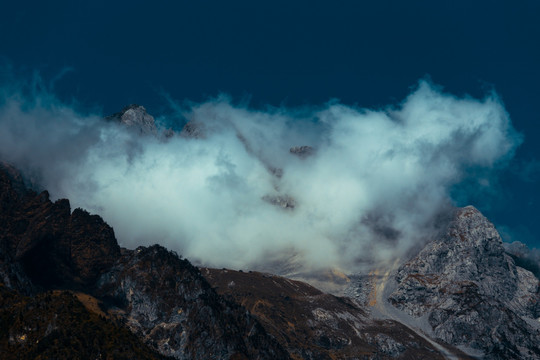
pixel 166 301
pixel 471 292
pixel 54 246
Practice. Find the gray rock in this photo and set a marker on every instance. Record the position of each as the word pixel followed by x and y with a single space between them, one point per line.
pixel 166 301
pixel 471 291
pixel 135 116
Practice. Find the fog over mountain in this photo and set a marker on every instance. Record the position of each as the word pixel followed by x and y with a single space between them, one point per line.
pixel 372 187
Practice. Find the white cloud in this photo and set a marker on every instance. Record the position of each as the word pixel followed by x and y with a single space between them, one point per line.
pixel 372 189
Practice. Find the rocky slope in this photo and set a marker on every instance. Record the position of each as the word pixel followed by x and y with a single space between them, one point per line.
pixel 314 325
pixel 166 301
pixel 56 325
pixel 471 293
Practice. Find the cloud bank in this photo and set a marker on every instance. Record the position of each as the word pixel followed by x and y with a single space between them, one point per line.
pixel 373 187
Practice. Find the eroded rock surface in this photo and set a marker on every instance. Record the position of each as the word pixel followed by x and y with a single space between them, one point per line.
pixel 135 116
pixel 54 246
pixel 167 302
pixel 471 291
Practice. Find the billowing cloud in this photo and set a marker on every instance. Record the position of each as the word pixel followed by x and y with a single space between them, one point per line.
pixel 372 188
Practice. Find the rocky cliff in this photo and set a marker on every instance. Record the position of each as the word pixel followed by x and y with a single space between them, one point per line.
pixel 470 291
pixel 168 303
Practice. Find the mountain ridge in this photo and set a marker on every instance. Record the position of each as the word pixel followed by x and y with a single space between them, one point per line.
pixel 463 295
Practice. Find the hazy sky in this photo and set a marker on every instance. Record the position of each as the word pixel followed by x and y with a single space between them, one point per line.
pixel 106 55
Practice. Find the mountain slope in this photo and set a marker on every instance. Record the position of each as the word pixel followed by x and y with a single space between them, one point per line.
pixel 471 293
pixel 161 298
pixel 314 325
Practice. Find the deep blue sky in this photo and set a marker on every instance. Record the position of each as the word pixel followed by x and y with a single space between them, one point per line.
pixel 294 53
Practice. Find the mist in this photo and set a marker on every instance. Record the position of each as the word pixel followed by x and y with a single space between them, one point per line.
pixel 373 187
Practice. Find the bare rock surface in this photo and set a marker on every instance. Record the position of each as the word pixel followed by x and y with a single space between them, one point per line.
pixel 167 302
pixel 54 246
pixel 135 116
pixel 471 292
pixel 161 298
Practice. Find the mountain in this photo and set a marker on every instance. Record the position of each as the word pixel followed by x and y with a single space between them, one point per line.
pixel 136 118
pixel 159 297
pixel 68 290
pixel 470 292
pixel 315 325
pixel 463 289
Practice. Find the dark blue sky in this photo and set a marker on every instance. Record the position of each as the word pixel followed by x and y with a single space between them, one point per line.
pixel 294 53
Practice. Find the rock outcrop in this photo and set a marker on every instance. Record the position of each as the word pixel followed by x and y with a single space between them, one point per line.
pixel 471 292
pixel 167 302
pixel 54 246
pixel 135 117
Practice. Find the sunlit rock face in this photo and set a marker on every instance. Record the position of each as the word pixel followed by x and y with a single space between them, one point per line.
pixel 471 291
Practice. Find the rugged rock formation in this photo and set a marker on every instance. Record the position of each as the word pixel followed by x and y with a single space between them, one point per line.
pixel 135 116
pixel 167 302
pixel 54 246
pixel 162 299
pixel 192 129
pixel 471 292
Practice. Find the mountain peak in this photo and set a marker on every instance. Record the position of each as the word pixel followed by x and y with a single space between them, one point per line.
pixel 470 290
pixel 136 117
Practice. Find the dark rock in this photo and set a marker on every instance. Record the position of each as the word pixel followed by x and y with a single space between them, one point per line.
pixel 54 246
pixel 56 325
pixel 313 325
pixel 167 302
pixel 302 151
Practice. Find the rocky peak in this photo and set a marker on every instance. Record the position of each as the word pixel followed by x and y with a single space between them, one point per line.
pixel 53 245
pixel 470 290
pixel 136 117
pixel 471 250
